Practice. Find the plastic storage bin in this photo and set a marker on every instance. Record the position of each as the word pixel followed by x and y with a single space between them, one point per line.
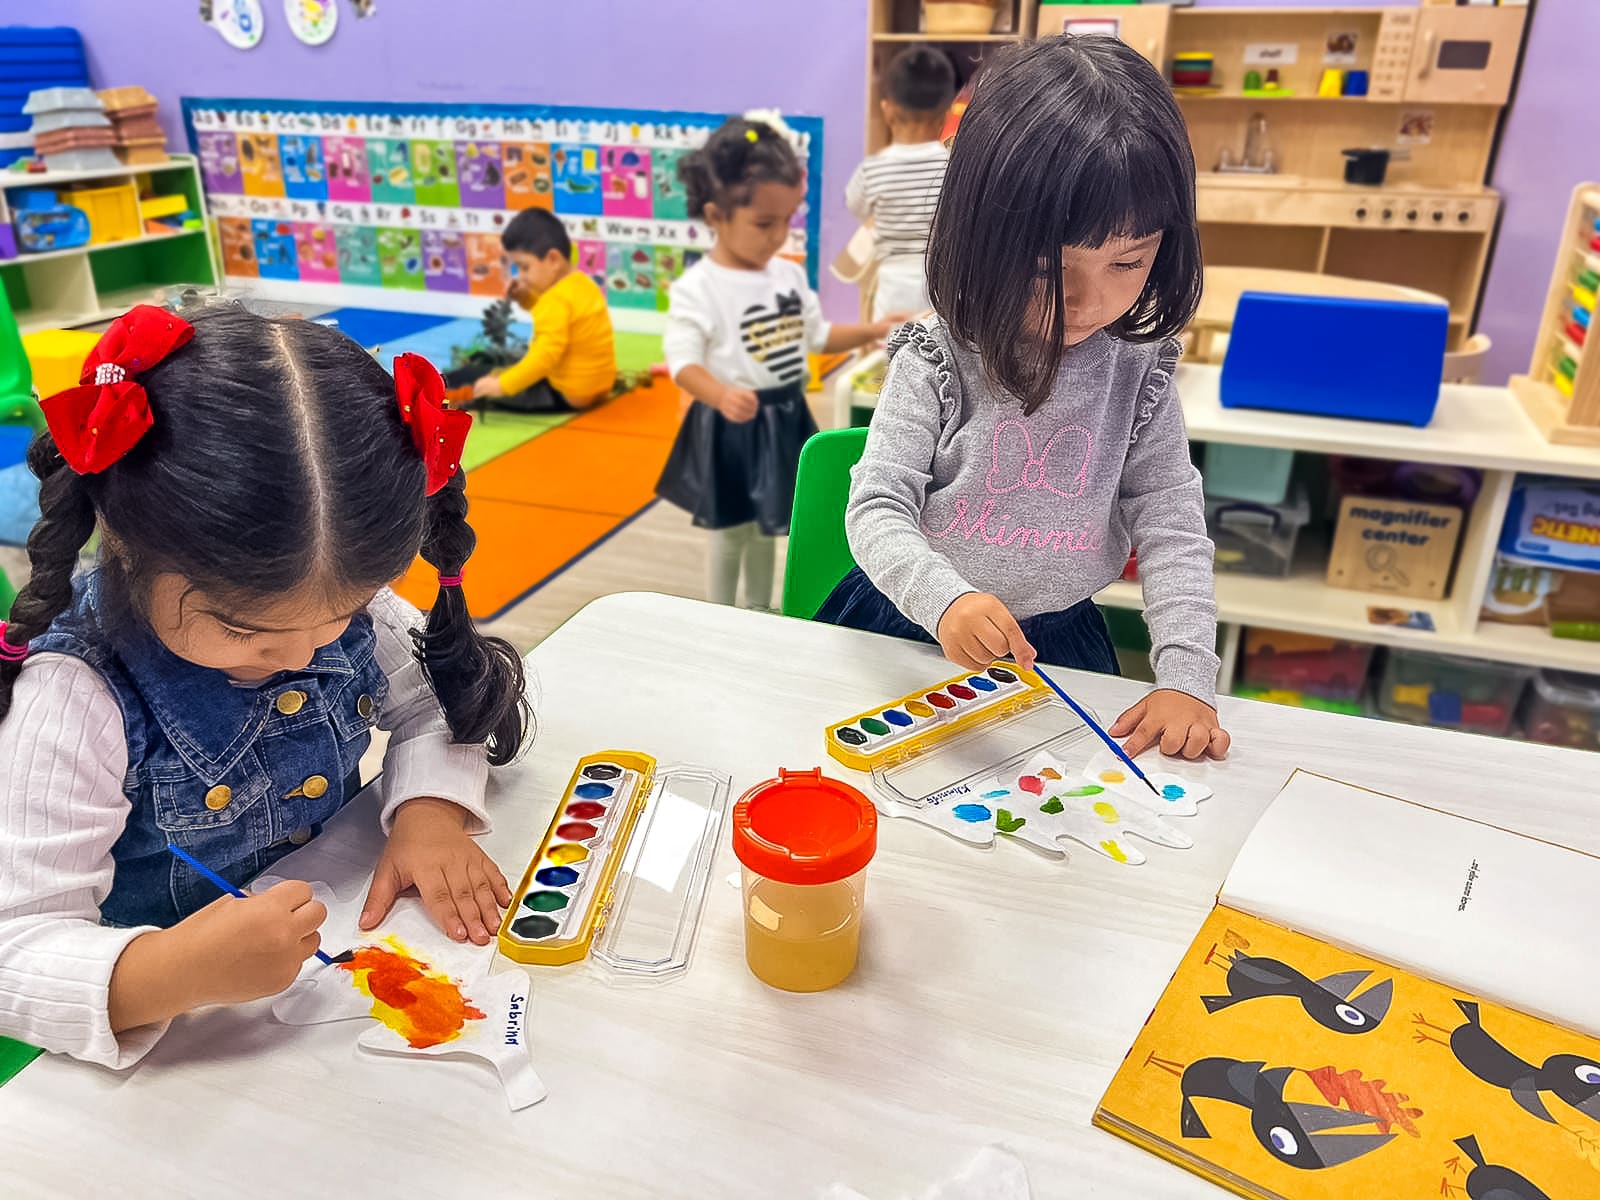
pixel 1257 539
pixel 1450 692
pixel 1304 665
pixel 113 212
pixel 804 842
pixel 1563 709
pixel 1258 473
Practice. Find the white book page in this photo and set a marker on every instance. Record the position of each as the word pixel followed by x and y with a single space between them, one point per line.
pixel 1496 914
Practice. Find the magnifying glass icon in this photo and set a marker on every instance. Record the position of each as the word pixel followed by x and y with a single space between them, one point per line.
pixel 1384 561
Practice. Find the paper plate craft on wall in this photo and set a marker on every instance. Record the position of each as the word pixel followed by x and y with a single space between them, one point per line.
pixel 240 22
pixel 312 21
pixel 426 995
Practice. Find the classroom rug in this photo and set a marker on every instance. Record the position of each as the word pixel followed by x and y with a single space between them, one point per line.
pixel 541 505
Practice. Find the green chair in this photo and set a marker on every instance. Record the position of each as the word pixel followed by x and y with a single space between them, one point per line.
pixel 7 595
pixel 819 556
pixel 14 1056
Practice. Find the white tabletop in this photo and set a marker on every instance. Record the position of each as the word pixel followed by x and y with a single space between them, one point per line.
pixel 996 995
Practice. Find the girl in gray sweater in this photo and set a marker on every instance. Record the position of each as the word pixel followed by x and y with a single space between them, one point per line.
pixel 1029 436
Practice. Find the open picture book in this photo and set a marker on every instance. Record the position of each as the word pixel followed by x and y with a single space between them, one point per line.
pixel 1387 1001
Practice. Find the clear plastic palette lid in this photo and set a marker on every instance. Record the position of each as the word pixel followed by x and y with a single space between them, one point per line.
pixel 983 751
pixel 660 890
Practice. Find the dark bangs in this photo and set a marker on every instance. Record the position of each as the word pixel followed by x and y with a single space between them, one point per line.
pixel 1068 141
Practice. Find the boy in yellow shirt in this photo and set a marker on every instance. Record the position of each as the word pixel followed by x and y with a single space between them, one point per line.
pixel 571 362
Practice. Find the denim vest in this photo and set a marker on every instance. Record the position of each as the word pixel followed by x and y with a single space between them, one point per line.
pixel 238 775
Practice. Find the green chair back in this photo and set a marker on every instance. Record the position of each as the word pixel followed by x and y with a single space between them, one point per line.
pixel 819 556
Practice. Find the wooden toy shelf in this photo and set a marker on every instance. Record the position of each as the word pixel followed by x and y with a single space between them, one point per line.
pixel 1561 390
pixel 82 285
pixel 1430 224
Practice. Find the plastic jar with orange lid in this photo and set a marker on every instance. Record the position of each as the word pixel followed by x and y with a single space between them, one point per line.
pixel 805 842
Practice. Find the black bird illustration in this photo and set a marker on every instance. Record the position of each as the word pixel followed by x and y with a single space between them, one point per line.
pixel 1296 1134
pixel 1327 1001
pixel 1572 1078
pixel 1489 1182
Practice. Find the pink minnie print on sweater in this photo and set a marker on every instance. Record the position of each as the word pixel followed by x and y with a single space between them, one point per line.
pixel 1015 466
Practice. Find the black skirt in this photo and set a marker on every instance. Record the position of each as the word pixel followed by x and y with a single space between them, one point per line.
pixel 727 473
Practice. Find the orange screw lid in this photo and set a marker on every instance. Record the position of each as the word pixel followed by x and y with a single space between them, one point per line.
pixel 804 828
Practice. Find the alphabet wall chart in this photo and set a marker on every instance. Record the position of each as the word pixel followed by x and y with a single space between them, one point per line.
pixel 414 196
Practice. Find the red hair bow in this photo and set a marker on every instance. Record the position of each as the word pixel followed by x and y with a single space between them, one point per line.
pixel 95 424
pixel 439 433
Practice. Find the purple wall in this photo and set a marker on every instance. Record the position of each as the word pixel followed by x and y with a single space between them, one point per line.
pixel 624 53
pixel 665 54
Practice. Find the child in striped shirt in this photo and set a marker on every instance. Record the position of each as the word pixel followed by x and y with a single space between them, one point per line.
pixel 898 188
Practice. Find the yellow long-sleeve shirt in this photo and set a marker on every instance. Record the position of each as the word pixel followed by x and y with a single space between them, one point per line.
pixel 573 345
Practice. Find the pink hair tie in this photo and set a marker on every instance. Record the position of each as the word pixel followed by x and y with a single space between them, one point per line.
pixel 8 652
pixel 449 581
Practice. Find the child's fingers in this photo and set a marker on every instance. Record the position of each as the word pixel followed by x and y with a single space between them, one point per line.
pixel 1128 721
pixel 1143 737
pixel 380 897
pixel 1220 742
pixel 310 944
pixel 1017 644
pixel 440 901
pixel 1173 738
pixel 483 890
pixel 464 894
pixel 502 889
pixel 1194 746
pixel 993 638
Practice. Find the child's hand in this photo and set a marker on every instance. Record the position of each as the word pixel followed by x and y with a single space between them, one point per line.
pixel 246 949
pixel 429 849
pixel 977 629
pixel 489 385
pixel 738 404
pixel 1184 727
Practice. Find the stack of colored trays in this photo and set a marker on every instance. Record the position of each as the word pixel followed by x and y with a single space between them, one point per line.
pixel 139 137
pixel 70 130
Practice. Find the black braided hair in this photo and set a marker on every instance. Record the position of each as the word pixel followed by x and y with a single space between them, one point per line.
pixel 278 460
pixel 479 680
pixel 66 522
pixel 727 168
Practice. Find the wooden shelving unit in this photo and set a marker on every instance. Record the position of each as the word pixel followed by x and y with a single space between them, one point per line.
pixel 894 24
pixel 1561 390
pixel 1429 226
pixel 86 284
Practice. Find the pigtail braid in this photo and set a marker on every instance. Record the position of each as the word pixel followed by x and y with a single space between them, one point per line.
pixel 66 522
pixel 478 680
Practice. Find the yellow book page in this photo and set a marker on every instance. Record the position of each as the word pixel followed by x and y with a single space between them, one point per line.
pixel 1279 1066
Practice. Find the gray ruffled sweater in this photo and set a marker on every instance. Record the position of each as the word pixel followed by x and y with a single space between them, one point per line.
pixel 959 491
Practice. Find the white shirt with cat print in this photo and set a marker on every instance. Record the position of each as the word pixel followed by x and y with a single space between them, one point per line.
pixel 750 329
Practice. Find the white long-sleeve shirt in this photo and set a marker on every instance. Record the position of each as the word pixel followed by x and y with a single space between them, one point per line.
pixel 63 757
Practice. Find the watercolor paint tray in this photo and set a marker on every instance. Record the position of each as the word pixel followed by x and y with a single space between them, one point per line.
pixel 907 728
pixel 622 871
pixel 1023 765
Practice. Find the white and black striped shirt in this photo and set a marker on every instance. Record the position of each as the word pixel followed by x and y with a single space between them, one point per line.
pixel 898 188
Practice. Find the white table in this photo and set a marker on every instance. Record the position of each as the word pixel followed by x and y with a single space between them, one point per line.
pixel 996 995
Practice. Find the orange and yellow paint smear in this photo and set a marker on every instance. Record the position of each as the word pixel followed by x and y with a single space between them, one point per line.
pixel 422 1005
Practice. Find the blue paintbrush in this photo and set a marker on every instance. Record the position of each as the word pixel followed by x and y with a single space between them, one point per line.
pixel 222 883
pixel 1094 725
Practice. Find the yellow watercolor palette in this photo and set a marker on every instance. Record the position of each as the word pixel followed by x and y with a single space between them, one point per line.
pixel 904 728
pixel 622 868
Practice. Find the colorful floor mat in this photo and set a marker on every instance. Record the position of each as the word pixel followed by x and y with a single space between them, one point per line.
pixel 538 507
